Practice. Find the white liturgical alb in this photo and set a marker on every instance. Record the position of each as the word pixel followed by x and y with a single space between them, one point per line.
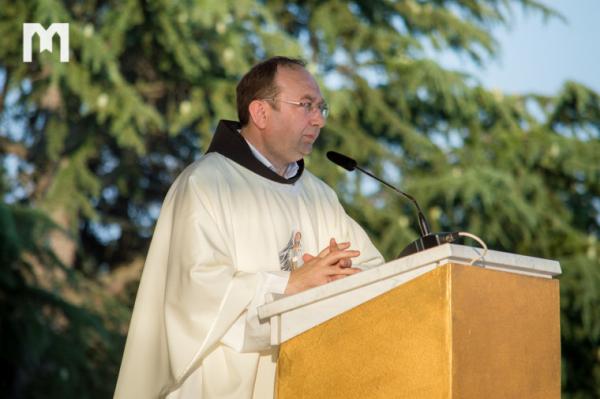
pixel 223 224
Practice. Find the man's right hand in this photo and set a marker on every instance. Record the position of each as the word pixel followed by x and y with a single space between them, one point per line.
pixel 330 264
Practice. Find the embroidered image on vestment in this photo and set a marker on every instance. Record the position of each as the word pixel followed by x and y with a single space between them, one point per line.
pixel 290 257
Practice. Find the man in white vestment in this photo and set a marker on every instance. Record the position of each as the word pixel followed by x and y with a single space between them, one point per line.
pixel 244 220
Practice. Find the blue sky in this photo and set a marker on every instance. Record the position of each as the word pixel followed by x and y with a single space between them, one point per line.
pixel 538 56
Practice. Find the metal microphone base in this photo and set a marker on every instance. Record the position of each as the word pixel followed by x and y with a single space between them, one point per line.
pixel 428 241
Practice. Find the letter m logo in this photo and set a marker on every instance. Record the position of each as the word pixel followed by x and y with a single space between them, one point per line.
pixel 30 29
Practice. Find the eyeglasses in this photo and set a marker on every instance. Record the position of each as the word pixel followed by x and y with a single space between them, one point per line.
pixel 308 106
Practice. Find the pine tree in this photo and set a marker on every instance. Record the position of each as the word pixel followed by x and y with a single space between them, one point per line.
pixel 97 141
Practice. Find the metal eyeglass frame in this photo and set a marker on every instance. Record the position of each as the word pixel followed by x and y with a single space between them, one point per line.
pixel 308 106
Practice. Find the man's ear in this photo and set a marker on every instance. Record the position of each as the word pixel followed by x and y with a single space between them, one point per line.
pixel 259 113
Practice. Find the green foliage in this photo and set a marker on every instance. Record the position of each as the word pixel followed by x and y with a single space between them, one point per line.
pixel 98 141
pixel 48 345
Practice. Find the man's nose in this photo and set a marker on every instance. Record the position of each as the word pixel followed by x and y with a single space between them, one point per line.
pixel 317 119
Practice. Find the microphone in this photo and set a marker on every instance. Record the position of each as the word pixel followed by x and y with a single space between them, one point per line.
pixel 350 164
pixel 427 239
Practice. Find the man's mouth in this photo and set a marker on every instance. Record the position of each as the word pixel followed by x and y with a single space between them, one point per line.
pixel 311 137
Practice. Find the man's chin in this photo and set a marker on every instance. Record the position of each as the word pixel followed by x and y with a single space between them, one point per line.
pixel 306 150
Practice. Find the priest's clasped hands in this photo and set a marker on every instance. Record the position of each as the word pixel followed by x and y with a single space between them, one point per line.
pixel 332 263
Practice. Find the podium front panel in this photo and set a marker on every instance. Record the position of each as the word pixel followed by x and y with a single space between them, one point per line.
pixel 456 332
pixel 394 346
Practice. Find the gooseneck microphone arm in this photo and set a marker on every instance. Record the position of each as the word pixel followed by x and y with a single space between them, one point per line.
pixel 350 164
pixel 427 239
pixel 423 225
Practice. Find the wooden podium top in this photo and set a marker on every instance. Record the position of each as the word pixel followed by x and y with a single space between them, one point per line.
pixel 294 314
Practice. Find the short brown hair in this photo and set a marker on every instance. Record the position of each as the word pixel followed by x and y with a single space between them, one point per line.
pixel 259 82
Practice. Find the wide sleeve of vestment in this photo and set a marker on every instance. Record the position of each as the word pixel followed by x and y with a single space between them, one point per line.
pixel 353 232
pixel 189 295
pixel 343 228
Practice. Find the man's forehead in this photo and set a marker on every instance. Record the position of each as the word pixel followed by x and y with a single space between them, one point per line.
pixel 298 81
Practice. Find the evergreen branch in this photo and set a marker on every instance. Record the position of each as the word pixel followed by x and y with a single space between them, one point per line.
pixel 4 89
pixel 9 146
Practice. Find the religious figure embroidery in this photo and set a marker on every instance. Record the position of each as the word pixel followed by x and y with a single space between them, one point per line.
pixel 290 257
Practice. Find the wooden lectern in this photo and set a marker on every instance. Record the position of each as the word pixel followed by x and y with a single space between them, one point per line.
pixel 425 326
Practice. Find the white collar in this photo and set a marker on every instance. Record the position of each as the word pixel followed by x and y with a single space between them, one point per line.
pixel 290 170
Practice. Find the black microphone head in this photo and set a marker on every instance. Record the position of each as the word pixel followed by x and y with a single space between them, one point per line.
pixel 341 160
